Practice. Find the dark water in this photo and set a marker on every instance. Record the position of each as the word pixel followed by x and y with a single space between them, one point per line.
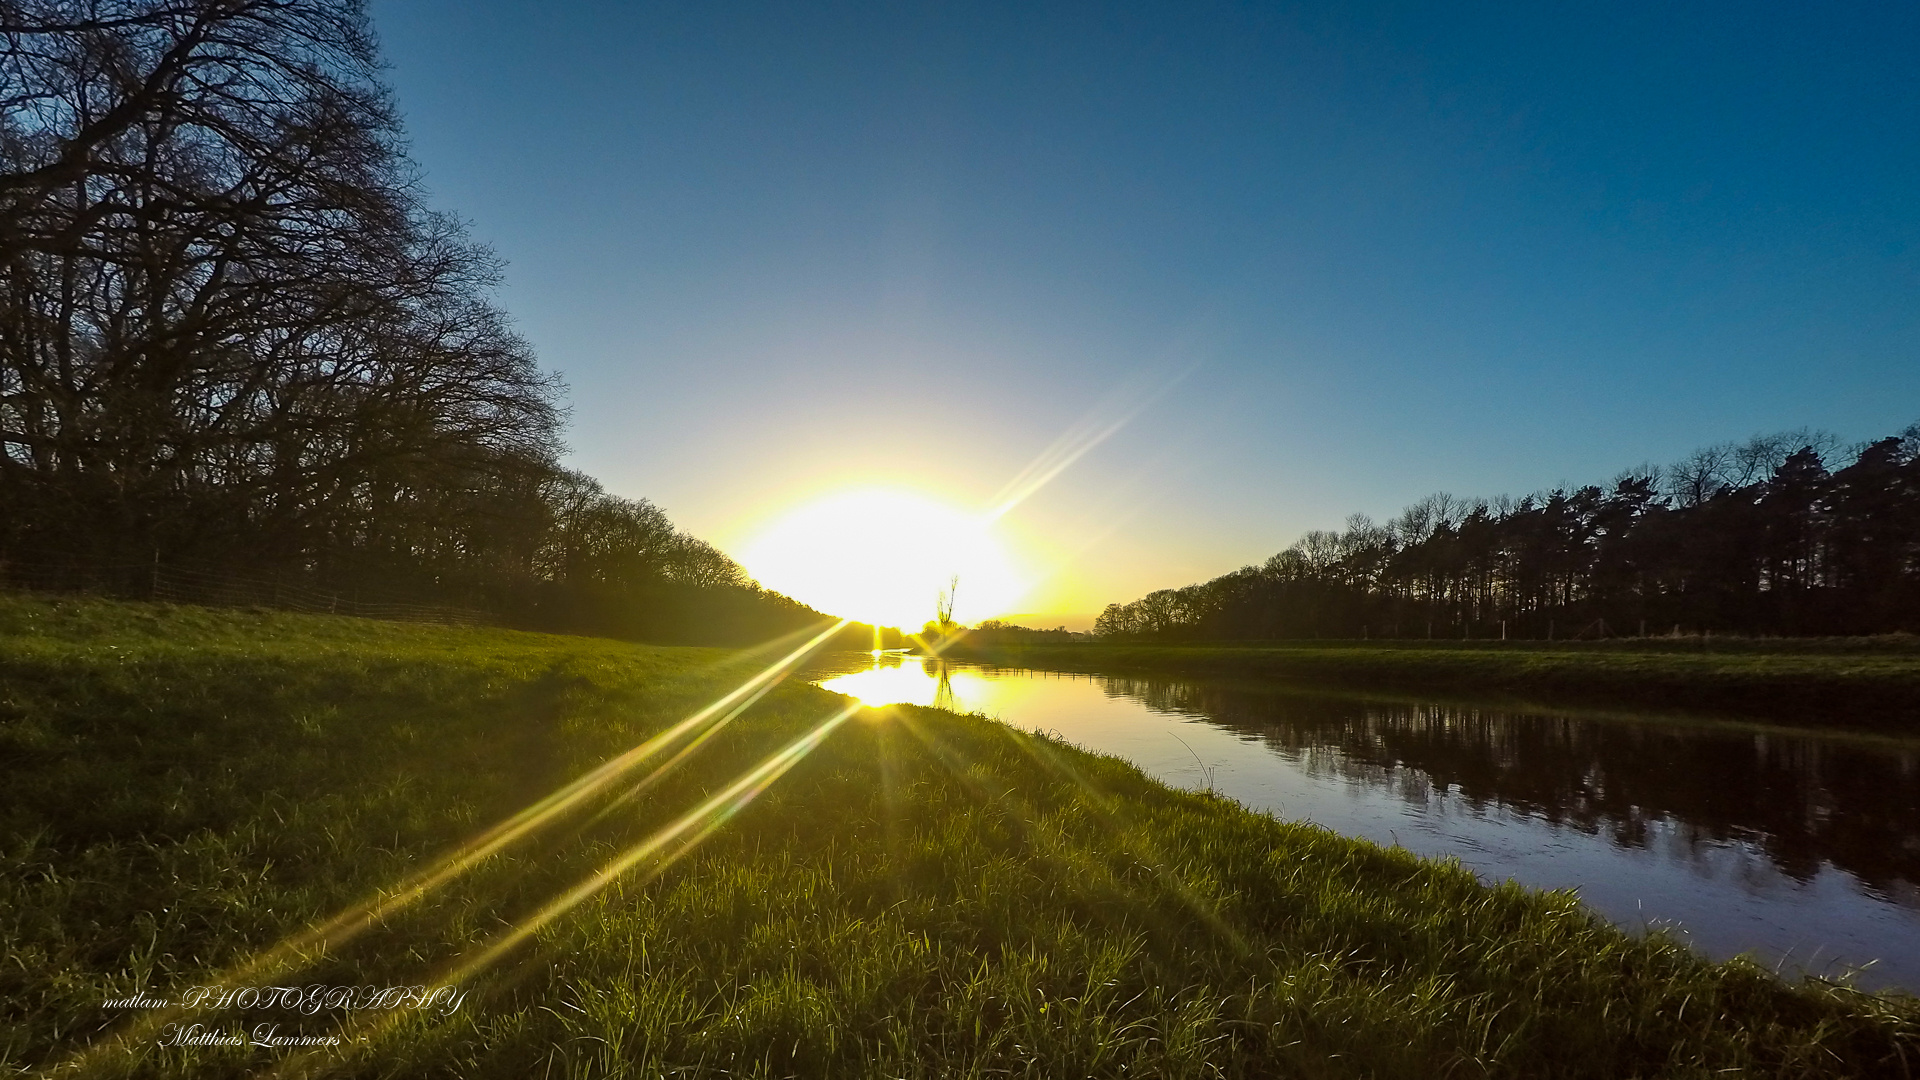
pixel 1800 848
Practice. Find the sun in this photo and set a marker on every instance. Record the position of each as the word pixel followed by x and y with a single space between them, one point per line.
pixel 882 556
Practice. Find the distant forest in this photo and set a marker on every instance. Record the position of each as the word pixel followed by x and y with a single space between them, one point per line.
pixel 1783 534
pixel 234 337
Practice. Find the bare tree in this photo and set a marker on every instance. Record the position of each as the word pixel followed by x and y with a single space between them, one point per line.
pixel 226 320
pixel 943 604
pixel 1700 475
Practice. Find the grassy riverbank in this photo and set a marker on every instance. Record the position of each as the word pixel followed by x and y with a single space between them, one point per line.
pixel 922 895
pixel 1866 682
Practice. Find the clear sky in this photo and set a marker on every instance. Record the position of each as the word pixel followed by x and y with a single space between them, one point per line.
pixel 1328 258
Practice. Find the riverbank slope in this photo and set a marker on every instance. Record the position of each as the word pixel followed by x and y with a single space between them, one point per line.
pixel 807 890
pixel 1861 682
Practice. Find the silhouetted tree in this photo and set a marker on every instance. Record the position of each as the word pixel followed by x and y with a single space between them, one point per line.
pixel 227 325
pixel 231 333
pixel 1754 537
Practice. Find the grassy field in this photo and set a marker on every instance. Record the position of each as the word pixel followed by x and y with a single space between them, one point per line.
pixel 1863 682
pixel 184 792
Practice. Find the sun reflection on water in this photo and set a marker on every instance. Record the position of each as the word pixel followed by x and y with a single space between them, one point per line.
pixel 914 680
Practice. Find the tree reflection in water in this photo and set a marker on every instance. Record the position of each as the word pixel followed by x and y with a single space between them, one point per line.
pixel 1800 798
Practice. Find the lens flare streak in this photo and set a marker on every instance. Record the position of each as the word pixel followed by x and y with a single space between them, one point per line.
pixel 299 950
pixel 689 829
pixel 1100 424
pixel 700 822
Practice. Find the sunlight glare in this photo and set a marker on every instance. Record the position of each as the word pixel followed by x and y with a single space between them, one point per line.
pixel 916 683
pixel 883 555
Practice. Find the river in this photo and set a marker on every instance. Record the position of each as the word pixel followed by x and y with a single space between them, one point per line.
pixel 1800 848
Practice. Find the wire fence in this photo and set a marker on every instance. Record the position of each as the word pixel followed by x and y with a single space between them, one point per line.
pixel 213 588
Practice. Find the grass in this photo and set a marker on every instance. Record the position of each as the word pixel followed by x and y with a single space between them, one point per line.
pixel 1858 682
pixel 923 895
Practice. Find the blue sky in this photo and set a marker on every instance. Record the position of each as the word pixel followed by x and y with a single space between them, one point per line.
pixel 1364 251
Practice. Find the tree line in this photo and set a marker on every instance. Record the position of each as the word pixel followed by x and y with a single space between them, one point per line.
pixel 1784 534
pixel 234 335
pixel 1000 632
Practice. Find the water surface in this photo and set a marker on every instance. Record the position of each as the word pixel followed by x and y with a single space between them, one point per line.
pixel 1801 848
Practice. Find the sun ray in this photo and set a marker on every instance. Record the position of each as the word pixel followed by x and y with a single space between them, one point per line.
pixel 701 821
pixel 1100 423
pixel 683 834
pixel 301 949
